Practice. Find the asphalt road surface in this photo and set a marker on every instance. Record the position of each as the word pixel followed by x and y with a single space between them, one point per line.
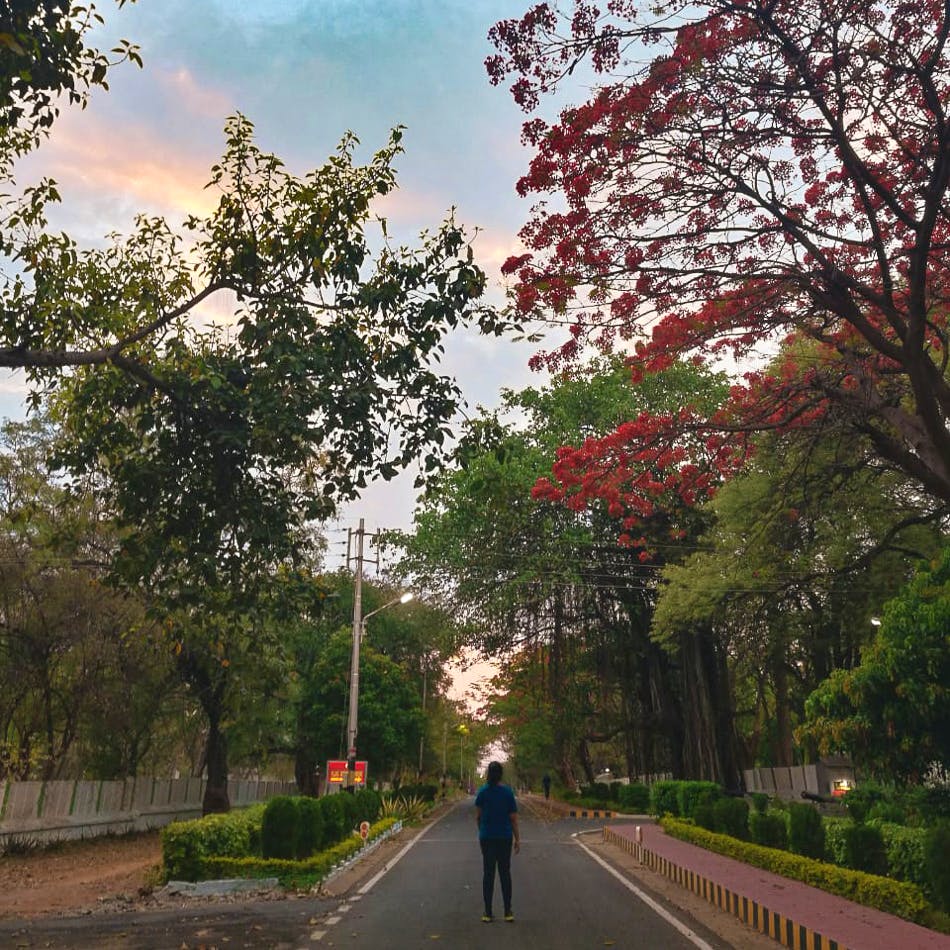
pixel 429 895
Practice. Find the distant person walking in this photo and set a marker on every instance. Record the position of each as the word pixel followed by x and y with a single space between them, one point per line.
pixel 546 783
pixel 496 814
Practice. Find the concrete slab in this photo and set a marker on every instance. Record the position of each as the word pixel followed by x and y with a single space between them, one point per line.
pixel 57 800
pixel 111 795
pixel 85 800
pixel 23 799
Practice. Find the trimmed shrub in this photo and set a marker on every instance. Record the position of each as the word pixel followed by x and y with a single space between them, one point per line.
pixel 906 853
pixel 835 829
pixel 351 809
pixel 893 897
pixel 806 833
pixel 936 849
pixel 186 844
pixel 311 832
pixel 293 874
pixel 890 812
pixel 704 816
pixel 664 798
pixel 929 806
pixel 635 797
pixel 760 802
pixel 767 830
pixel 731 817
pixel 368 804
pixel 864 849
pixel 334 818
pixel 861 799
pixel 280 828
pixel 691 794
pixel 599 791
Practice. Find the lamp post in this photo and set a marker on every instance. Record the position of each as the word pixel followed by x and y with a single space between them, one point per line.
pixel 463 732
pixel 359 631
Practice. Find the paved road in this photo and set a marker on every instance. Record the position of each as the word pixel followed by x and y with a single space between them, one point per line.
pixel 429 896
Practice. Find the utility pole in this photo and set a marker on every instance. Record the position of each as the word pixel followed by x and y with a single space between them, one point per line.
pixel 351 723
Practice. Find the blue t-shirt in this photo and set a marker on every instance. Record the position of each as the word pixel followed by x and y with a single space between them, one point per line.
pixel 497 803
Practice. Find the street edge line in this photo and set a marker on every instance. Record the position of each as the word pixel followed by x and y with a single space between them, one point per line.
pixel 675 922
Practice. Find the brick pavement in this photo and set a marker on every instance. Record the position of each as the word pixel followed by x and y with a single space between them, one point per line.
pixel 795 914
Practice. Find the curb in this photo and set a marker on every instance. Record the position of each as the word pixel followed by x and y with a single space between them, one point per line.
pixel 752 913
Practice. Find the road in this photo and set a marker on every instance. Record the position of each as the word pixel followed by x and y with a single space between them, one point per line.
pixel 428 895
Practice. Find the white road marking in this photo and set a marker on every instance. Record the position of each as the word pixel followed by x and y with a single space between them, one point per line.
pixel 689 934
pixel 318 935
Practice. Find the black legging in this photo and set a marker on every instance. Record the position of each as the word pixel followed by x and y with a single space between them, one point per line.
pixel 496 852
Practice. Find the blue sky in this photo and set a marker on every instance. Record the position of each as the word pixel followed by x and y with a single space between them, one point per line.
pixel 305 71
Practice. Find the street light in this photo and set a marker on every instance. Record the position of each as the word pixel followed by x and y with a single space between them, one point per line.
pixel 359 631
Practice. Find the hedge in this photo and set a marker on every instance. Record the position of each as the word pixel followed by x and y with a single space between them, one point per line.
pixel 634 796
pixel 893 897
pixel 680 798
pixel 186 844
pixel 293 874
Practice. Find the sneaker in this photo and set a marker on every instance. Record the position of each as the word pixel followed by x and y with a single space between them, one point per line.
pixel 509 917
pixel 487 918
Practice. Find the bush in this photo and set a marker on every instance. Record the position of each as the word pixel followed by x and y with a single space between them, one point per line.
pixel 691 794
pixel 368 804
pixel 334 818
pixel 890 812
pixel 893 897
pixel 806 834
pixel 311 832
pixel 294 874
pixel 599 791
pixel 936 849
pixel 186 844
pixel 861 799
pixel 704 816
pixel 906 853
pixel 426 792
pixel 731 817
pixel 664 798
pixel 635 797
pixel 760 802
pixel 767 830
pixel 929 806
pixel 835 829
pixel 280 828
pixel 864 849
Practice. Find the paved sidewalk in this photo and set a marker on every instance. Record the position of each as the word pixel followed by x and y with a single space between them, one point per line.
pixel 795 914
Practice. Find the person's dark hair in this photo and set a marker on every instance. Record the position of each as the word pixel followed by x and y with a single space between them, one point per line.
pixel 494 773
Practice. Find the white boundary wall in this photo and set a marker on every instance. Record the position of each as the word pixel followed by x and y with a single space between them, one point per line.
pixel 43 811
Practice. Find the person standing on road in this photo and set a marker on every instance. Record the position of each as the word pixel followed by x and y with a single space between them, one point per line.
pixel 546 784
pixel 496 815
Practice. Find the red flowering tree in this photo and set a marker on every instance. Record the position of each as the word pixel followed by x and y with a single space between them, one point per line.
pixel 761 180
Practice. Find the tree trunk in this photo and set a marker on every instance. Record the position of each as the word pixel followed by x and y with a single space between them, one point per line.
pixel 305 773
pixel 216 760
pixel 709 741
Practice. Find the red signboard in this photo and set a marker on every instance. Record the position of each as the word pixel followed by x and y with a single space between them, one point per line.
pixel 336 773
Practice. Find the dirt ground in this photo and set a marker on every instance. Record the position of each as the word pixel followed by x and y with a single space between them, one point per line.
pixel 78 876
pixel 106 875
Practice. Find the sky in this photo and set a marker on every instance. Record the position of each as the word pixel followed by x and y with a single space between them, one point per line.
pixel 305 72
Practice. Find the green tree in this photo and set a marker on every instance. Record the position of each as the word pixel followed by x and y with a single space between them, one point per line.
pixel 86 679
pixel 543 578
pixel 802 548
pixel 892 711
pixel 390 712
pixel 43 60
